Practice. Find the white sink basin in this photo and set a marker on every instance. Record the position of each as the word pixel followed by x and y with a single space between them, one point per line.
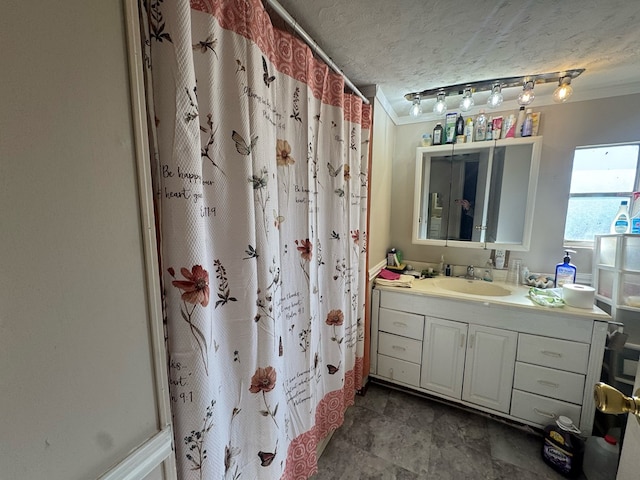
pixel 472 287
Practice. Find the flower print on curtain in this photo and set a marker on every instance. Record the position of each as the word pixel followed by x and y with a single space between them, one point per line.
pixel 260 175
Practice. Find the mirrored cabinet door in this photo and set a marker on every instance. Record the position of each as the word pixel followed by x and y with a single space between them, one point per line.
pixel 476 195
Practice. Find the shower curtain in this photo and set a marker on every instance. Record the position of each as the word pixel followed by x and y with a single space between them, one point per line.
pixel 260 182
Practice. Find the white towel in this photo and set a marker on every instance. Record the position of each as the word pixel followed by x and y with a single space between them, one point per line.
pixel 404 281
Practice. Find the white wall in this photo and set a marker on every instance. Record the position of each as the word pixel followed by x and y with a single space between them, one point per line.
pixel 76 375
pixel 383 142
pixel 611 120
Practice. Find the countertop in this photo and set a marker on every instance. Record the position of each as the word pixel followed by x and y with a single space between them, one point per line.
pixel 518 298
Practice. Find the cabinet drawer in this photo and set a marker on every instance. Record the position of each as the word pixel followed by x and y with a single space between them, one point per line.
pixel 544 381
pixel 399 370
pixel 553 353
pixel 401 323
pixel 399 347
pixel 541 410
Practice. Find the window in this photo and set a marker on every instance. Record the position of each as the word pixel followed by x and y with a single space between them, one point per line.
pixel 602 177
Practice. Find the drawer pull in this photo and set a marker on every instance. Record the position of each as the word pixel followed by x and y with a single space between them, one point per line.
pixel 548 384
pixel 551 354
pixel 544 414
pixel 398 347
pixel 400 324
pixel 391 373
pixel 462 337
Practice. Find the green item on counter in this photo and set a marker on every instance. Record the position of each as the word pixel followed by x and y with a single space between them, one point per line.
pixel 547 297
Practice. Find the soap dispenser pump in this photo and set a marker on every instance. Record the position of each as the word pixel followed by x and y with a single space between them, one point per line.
pixel 565 271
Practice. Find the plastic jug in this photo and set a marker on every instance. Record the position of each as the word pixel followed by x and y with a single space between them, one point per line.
pixel 562 448
pixel 601 458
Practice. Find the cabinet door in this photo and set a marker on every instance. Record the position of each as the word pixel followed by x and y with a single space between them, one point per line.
pixel 443 356
pixel 489 366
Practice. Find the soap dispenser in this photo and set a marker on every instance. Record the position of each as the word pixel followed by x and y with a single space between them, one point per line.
pixel 565 271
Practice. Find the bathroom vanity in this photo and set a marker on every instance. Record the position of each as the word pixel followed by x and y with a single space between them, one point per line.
pixel 489 347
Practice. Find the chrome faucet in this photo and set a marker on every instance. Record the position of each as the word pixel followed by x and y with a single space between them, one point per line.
pixel 470 272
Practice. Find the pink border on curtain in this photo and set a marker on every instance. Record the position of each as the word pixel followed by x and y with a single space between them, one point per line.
pixel 293 58
pixel 301 456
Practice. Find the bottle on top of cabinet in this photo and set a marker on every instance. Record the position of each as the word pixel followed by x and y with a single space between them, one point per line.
pixel 468 130
pixel 481 126
pixel 527 126
pixel 489 133
pixel 459 126
pixel 437 134
pixel 520 121
pixel 450 128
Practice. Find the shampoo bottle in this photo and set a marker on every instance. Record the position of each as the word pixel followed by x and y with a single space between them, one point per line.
pixel 620 222
pixel 565 271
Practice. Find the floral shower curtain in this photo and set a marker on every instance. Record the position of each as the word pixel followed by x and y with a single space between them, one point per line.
pixel 260 172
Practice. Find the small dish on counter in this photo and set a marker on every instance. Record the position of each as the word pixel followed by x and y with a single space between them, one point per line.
pixel 539 281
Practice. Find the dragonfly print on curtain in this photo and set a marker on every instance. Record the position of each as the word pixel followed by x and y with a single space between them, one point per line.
pixel 260 181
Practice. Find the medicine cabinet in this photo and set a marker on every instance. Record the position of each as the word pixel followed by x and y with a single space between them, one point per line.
pixel 476 195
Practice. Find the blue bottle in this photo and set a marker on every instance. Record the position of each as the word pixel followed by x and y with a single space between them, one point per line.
pixel 565 271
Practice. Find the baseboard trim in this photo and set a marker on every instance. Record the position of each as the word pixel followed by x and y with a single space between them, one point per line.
pixel 144 459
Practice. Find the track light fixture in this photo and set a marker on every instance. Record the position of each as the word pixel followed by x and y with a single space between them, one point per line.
pixel 496 86
pixel 416 107
pixel 495 99
pixel 467 100
pixel 564 90
pixel 440 107
pixel 527 95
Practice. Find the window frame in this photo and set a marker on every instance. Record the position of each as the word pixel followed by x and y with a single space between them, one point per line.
pixel 636 187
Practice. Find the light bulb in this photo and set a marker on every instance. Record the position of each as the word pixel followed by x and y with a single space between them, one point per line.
pixel 440 107
pixel 416 107
pixel 495 99
pixel 527 95
pixel 564 90
pixel 467 101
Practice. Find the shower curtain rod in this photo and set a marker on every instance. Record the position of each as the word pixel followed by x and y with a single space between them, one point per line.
pixel 279 9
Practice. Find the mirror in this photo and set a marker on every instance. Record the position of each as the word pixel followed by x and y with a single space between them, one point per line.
pixel 476 194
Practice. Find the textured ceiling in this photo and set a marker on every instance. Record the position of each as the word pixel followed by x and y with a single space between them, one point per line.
pixel 411 45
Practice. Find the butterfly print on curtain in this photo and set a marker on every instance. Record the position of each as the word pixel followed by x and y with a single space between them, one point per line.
pixel 266 76
pixel 242 147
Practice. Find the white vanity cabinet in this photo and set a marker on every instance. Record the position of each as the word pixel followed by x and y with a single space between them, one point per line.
pixel 445 344
pixel 521 362
pixel 479 358
pixel 488 370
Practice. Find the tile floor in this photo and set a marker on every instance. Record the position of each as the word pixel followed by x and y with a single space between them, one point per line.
pixel 389 434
